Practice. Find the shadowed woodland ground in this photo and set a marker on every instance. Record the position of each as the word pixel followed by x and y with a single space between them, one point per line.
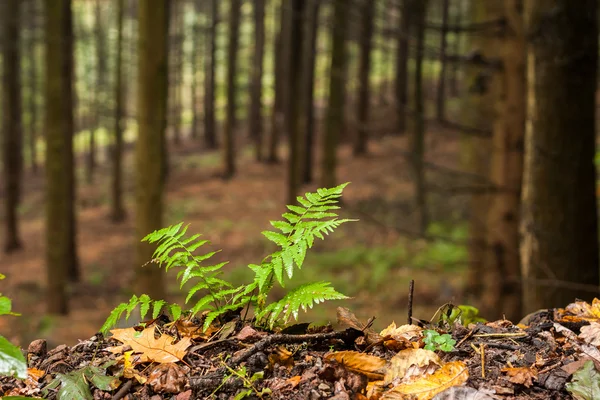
pixel 372 260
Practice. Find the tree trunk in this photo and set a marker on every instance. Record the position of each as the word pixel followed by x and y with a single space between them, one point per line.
pixel 32 76
pixel 308 59
pixel 196 43
pixel 176 81
pixel 229 167
pixel 501 294
pixel 456 48
pixel 417 140
pixel 100 103
pixel 364 93
pixel 153 27
pixel 12 140
pixel 334 122
pixel 441 87
pixel 559 225
pixel 401 88
pixel 60 220
pixel 255 116
pixel 294 112
pixel 117 208
pixel 210 134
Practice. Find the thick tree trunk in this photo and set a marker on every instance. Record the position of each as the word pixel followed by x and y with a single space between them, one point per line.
pixel 308 59
pixel 229 153
pixel 117 213
pixel 255 116
pixel 364 92
pixel 210 134
pixel 294 111
pixel 441 87
pixel 334 122
pixel 153 27
pixel 559 225
pixel 12 138
pixel 60 220
pixel 401 82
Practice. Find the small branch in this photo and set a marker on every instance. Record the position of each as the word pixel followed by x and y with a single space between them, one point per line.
pixel 123 391
pixel 411 289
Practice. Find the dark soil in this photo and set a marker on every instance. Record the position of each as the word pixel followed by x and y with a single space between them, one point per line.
pixel 296 366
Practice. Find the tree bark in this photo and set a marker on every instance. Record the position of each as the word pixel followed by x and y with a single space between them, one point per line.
pixel 210 134
pixel 117 209
pixel 32 77
pixel 229 153
pixel 310 54
pixel 364 92
pixel 441 87
pixel 559 225
pixel 501 294
pixel 401 82
pixel 60 219
pixel 334 122
pixel 153 28
pixel 176 81
pixel 256 106
pixel 12 140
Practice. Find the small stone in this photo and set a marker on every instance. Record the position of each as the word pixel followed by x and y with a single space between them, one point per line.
pixel 38 347
pixel 187 395
pixel 324 387
pixel 314 395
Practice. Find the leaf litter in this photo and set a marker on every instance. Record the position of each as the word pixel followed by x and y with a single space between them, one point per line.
pixel 551 355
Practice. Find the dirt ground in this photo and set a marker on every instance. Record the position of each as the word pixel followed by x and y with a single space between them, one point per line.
pixel 232 214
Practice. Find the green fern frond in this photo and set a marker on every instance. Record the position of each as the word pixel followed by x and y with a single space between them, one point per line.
pixel 303 298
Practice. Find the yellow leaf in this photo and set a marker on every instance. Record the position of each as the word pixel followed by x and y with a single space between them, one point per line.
pixel 409 363
pixel 371 366
pixel 282 356
pixel 128 370
pixel 161 350
pixel 452 374
pixel 579 310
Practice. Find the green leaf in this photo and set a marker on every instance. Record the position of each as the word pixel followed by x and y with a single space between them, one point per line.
pixel 6 306
pixel 297 209
pixel 73 386
pixel 585 383
pixel 97 376
pixel 12 362
pixel 276 237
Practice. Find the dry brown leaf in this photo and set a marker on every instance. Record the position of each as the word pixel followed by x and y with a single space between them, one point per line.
pixel 129 371
pixel 33 376
pixel 578 311
pixel 161 350
pixel 591 334
pixel 167 378
pixel 187 328
pixel 451 374
pixel 399 338
pixel 371 366
pixel 346 318
pixel 409 363
pixel 521 375
pixel 282 356
pixel 294 381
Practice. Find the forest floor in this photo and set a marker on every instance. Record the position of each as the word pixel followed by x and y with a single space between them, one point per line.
pixel 371 260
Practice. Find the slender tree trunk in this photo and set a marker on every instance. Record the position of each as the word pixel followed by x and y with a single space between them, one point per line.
pixel 100 103
pixel 310 54
pixel 294 112
pixel 256 118
pixel 153 25
pixel 417 141
pixel 12 140
pixel 559 224
pixel 196 40
pixel 117 208
pixel 364 93
pixel 281 67
pixel 176 81
pixel 210 134
pixel 229 167
pixel 456 48
pixel 441 87
pixel 334 123
pixel 401 88
pixel 32 76
pixel 59 154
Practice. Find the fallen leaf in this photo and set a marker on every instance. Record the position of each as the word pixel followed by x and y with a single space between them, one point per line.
pixel 161 350
pixel 129 371
pixel 578 311
pixel 167 378
pixel 33 376
pixel 585 384
pixel 521 375
pixel 187 328
pixel 346 318
pixel 399 338
pixel 371 366
pixel 591 334
pixel 451 374
pixel 282 356
pixel 294 381
pixel 409 363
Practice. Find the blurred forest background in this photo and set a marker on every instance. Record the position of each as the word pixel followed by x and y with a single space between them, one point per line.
pixel 467 129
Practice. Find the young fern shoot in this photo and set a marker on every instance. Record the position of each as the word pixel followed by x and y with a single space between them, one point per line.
pixel 314 218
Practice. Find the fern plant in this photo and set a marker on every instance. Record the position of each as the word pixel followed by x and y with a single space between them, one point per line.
pixel 312 219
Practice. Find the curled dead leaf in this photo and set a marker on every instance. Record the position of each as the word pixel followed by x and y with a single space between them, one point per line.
pixel 521 375
pixel 167 378
pixel 371 366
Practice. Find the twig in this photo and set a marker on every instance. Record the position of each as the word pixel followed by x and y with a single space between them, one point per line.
pixel 468 335
pixel 411 289
pixel 510 334
pixel 123 391
pixel 482 347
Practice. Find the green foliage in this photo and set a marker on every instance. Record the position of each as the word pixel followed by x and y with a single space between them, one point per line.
pixel 585 384
pixel 12 362
pixel 74 385
pixel 434 341
pixel 249 388
pixel 312 219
